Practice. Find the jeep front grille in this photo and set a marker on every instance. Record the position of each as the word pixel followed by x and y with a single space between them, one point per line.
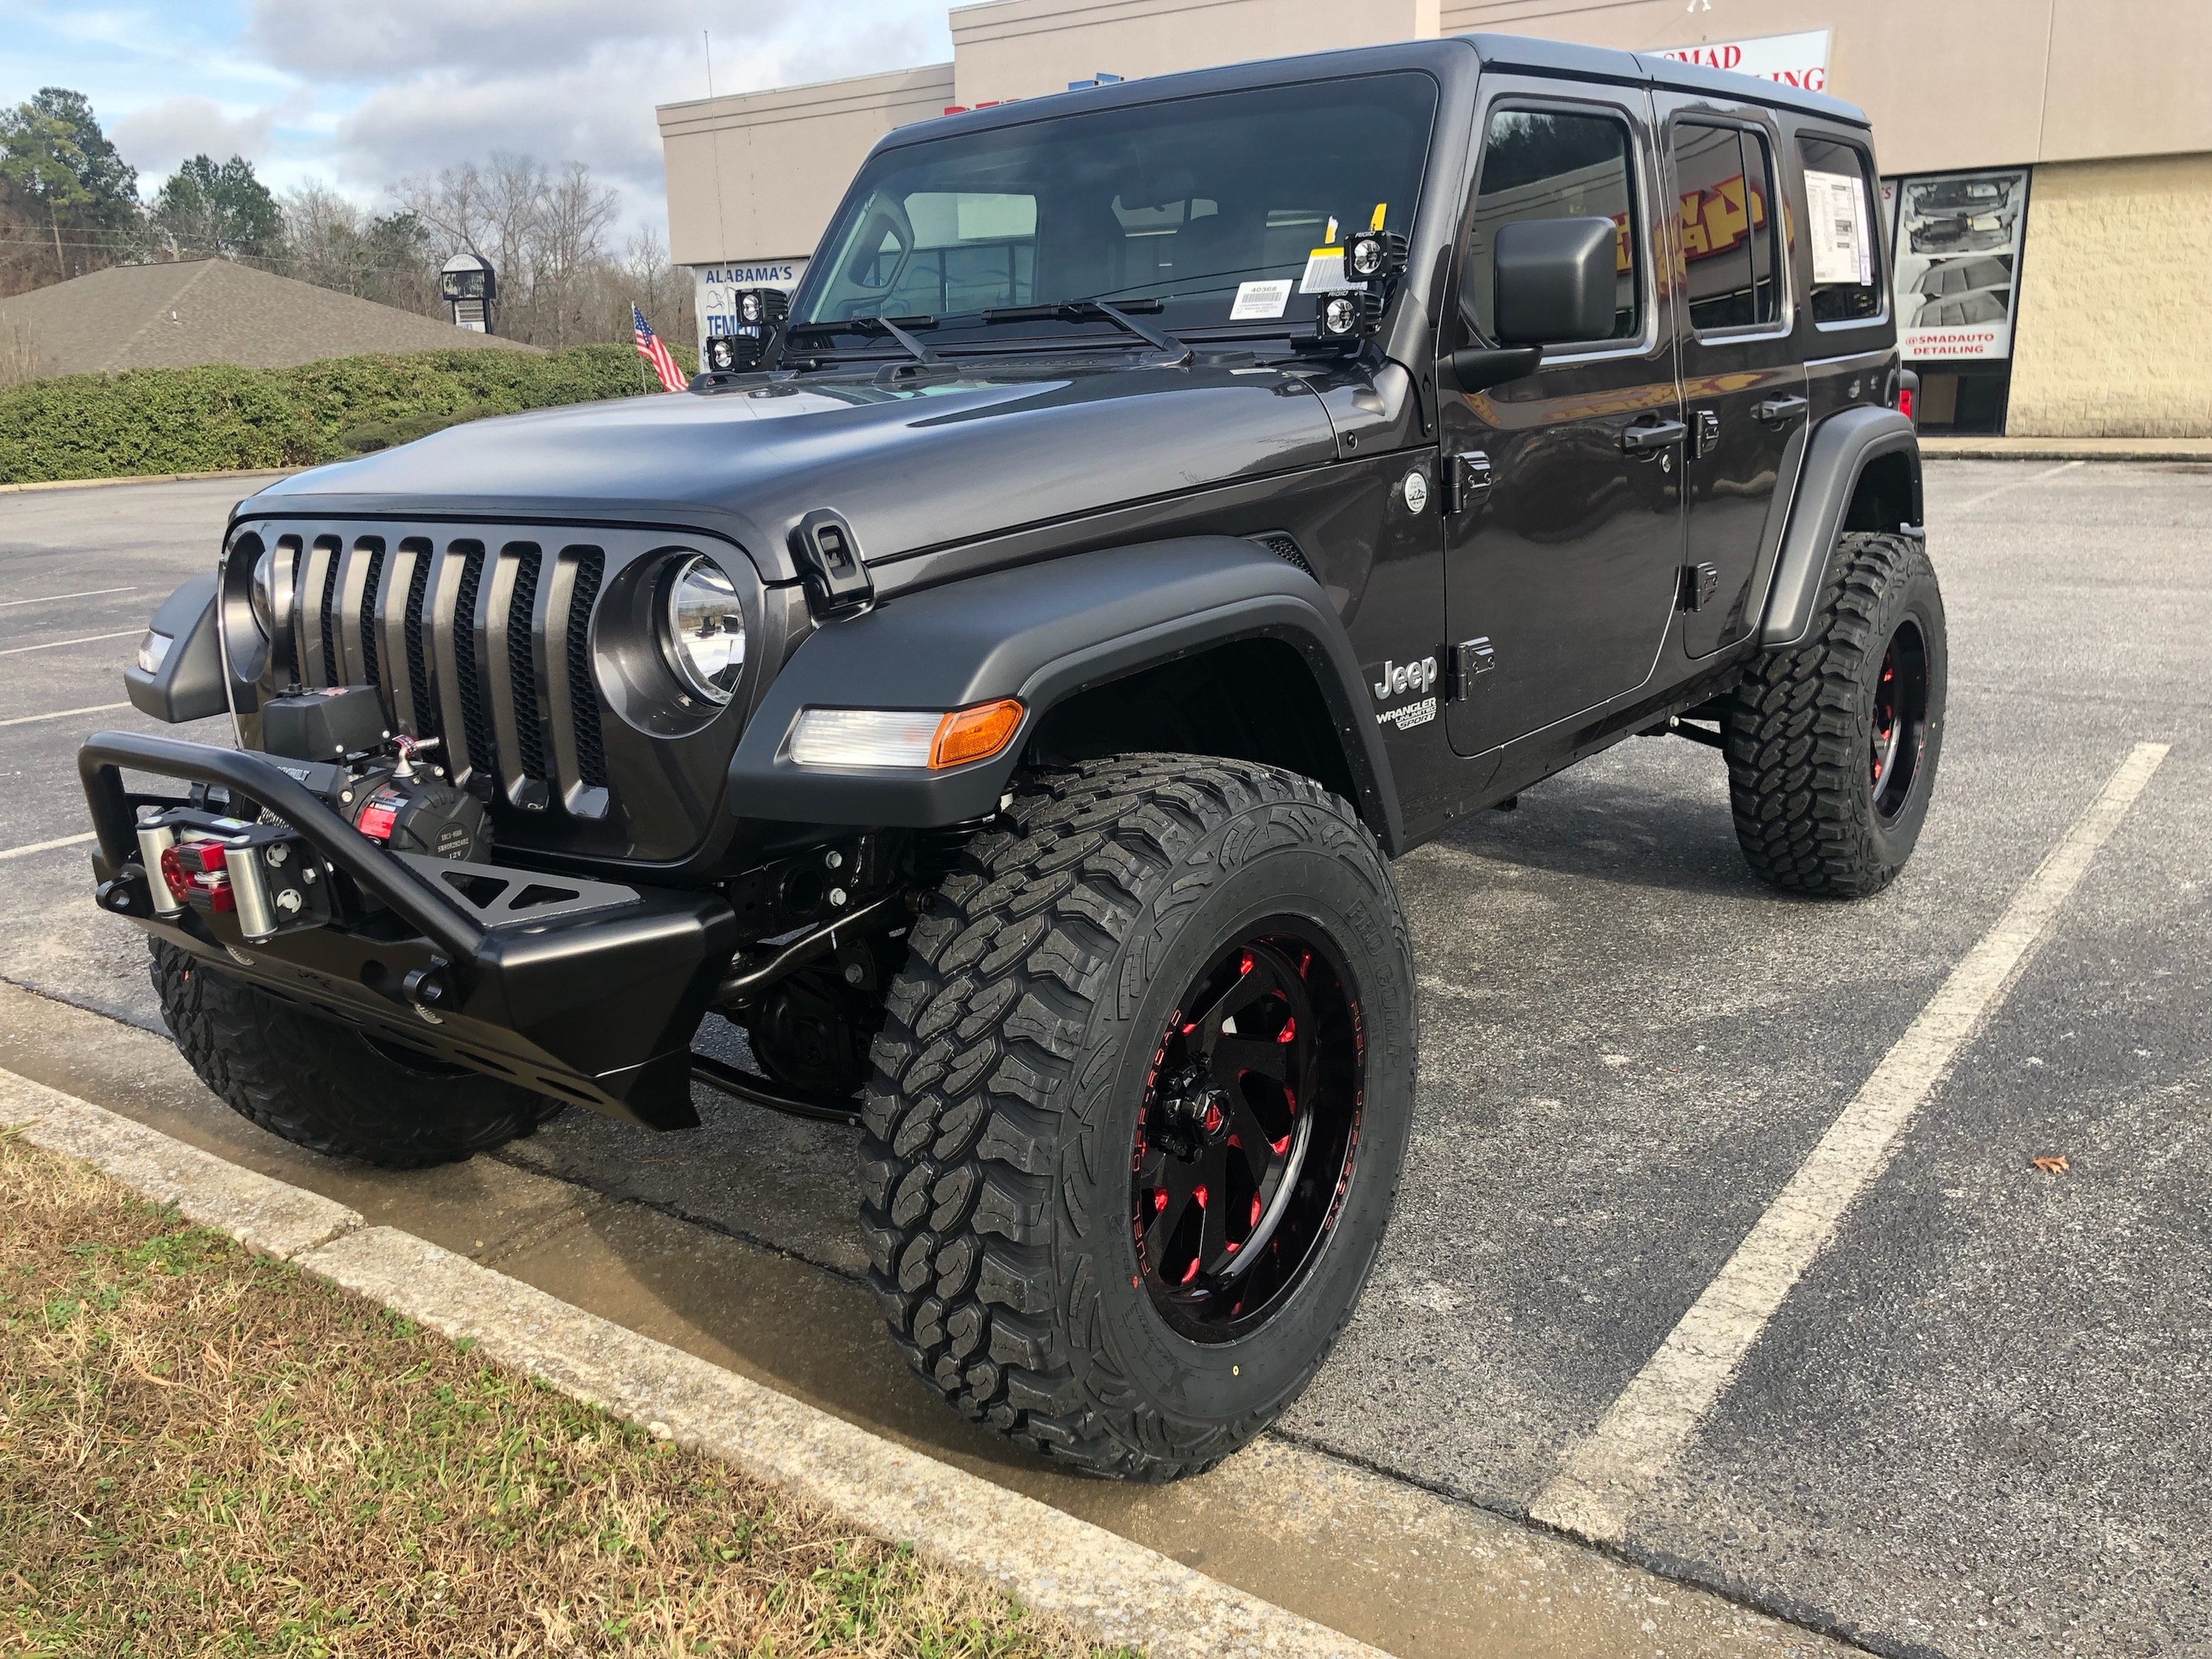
pixel 482 642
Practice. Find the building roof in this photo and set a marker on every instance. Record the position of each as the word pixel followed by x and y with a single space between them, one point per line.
pixel 213 311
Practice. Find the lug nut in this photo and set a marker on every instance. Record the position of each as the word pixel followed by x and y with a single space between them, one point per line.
pixel 853 975
pixel 835 860
pixel 836 896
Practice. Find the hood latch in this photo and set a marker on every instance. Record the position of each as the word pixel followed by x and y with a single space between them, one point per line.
pixel 828 556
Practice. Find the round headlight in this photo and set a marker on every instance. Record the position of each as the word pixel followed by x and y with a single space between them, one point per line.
pixel 1364 256
pixel 266 600
pixel 1338 315
pixel 749 308
pixel 702 629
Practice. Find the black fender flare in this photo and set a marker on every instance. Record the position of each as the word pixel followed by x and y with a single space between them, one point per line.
pixel 188 685
pixel 1840 448
pixel 1042 632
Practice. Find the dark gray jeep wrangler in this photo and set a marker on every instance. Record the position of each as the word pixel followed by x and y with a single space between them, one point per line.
pixel 999 682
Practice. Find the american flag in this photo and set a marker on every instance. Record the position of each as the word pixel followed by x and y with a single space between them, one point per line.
pixel 650 348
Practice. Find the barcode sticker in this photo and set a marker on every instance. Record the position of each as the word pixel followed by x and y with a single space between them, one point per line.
pixel 1257 300
pixel 1325 273
pixel 1843 249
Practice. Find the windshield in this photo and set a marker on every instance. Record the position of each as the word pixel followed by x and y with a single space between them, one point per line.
pixel 1209 205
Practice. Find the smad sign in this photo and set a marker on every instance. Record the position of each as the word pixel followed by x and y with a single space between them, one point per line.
pixel 1795 60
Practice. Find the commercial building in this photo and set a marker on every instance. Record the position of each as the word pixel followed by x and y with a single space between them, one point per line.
pixel 2048 168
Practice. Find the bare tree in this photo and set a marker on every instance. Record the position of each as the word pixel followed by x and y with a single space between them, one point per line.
pixel 573 213
pixel 546 232
pixel 19 354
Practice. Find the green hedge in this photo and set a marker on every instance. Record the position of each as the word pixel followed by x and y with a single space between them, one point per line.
pixel 218 416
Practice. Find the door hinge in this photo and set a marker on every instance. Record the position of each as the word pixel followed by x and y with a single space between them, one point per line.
pixel 1466 481
pixel 1699 583
pixel 1709 432
pixel 1470 660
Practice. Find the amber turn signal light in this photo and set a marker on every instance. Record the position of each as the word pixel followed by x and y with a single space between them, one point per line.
pixel 973 734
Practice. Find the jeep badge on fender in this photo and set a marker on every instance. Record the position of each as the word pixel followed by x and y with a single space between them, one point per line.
pixel 962 694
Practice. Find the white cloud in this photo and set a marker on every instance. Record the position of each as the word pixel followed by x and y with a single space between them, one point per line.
pixel 155 138
pixel 364 93
pixel 349 40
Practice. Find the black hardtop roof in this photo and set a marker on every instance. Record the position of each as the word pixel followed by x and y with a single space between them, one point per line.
pixel 1446 54
pixel 1522 51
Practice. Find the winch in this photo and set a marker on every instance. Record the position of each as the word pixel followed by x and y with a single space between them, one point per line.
pixel 265 873
pixel 336 742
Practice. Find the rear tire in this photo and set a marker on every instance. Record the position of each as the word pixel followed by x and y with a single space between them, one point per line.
pixel 1018 1123
pixel 326 1087
pixel 1833 747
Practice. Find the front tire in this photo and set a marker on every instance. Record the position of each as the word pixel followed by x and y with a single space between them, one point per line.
pixel 1832 747
pixel 326 1087
pixel 1151 968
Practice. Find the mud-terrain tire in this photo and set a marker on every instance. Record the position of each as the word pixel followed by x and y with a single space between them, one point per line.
pixel 1018 1080
pixel 1808 730
pixel 324 1086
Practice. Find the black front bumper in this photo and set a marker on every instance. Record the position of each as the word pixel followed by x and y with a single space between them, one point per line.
pixel 598 1007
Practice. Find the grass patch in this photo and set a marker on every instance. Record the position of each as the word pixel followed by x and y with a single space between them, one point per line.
pixel 204 1453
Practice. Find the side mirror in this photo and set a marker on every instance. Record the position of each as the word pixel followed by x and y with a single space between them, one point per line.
pixel 179 673
pixel 1556 280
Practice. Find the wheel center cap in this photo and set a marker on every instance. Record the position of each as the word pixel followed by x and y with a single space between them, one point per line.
pixel 1202 1114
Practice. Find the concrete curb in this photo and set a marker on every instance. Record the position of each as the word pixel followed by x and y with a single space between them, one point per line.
pixel 2068 449
pixel 149 478
pixel 268 1217
pixel 1115 1591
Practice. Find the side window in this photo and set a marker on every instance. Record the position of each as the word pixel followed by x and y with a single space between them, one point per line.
pixel 1553 164
pixel 1727 226
pixel 1839 196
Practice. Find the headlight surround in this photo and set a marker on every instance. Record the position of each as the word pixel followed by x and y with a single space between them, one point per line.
pixel 702 629
pixel 266 601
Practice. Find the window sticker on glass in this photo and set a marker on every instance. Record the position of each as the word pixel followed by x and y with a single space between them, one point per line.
pixel 1256 300
pixel 1325 273
pixel 1842 251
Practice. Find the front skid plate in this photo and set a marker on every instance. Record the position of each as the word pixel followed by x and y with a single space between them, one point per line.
pixel 598 1009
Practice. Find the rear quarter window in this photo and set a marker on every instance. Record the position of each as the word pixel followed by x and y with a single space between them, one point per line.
pixel 1841 231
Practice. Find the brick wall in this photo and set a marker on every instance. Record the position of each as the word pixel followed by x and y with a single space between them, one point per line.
pixel 2114 326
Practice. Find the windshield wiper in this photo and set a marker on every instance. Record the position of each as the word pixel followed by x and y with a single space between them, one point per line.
pixel 1076 311
pixel 922 353
pixel 914 348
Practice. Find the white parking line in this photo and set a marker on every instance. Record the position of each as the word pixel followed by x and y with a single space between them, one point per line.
pixel 63 714
pixel 1969 505
pixel 47 846
pixel 1646 1429
pixel 85 638
pixel 56 598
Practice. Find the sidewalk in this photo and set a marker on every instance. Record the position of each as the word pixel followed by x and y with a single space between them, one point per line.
pixel 2068 449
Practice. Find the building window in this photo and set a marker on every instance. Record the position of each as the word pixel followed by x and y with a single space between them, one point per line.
pixel 1553 164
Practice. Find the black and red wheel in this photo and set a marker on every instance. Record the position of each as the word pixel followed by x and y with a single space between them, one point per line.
pixel 1832 745
pixel 1245 1139
pixel 1143 1092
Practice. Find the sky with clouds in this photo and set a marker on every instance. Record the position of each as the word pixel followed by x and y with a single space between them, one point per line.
pixel 359 94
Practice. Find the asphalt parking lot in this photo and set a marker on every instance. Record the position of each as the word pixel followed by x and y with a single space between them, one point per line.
pixel 1976 1425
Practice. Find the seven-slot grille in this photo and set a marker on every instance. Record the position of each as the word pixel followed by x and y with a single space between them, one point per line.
pixel 483 642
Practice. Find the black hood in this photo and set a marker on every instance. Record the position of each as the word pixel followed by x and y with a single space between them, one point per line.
pixel 915 458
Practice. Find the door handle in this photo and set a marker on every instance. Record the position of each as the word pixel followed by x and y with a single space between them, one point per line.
pixel 1777 412
pixel 1649 437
